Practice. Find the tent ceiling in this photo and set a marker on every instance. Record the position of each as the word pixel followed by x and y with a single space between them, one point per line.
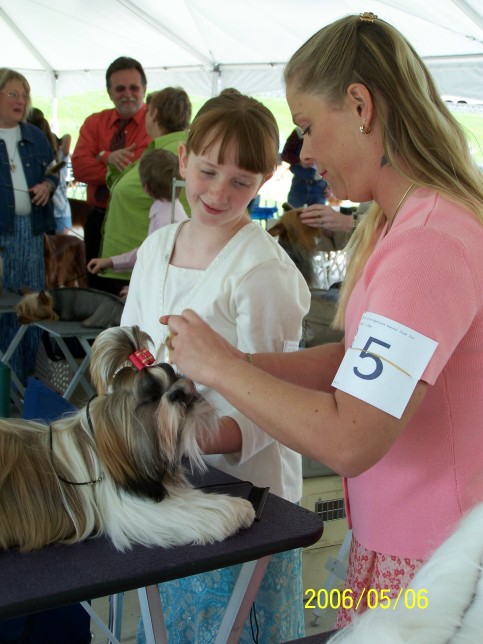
pixel 204 45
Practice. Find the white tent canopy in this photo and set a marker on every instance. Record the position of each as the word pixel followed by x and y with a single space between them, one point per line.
pixel 205 45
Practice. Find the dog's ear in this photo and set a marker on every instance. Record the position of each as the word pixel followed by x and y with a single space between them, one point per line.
pixel 44 298
pixel 126 443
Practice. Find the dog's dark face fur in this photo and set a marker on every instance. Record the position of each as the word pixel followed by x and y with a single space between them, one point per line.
pixel 125 448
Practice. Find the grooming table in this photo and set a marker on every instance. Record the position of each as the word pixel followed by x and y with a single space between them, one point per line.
pixel 61 575
pixel 60 331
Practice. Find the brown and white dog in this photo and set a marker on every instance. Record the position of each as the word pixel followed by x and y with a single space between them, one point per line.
pixel 299 241
pixel 302 243
pixel 115 467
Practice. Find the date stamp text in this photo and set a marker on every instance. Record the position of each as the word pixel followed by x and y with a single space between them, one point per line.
pixel 369 597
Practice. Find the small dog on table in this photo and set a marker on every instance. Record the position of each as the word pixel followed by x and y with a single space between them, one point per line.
pixel 115 467
pixel 89 306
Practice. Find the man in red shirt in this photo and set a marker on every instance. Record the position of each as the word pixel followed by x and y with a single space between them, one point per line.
pixel 115 136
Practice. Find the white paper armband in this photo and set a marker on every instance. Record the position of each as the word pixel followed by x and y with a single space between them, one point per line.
pixel 384 363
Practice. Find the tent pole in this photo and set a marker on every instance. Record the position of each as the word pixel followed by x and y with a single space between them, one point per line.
pixel 55 104
pixel 216 80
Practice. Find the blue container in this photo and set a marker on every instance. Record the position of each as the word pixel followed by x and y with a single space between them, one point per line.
pixel 42 403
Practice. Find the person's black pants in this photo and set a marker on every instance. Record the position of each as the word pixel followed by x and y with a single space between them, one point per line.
pixel 92 240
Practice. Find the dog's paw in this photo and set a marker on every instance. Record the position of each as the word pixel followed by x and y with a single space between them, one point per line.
pixel 245 512
pixel 238 513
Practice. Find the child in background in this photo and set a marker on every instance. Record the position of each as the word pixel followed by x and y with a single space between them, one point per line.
pixel 61 148
pixel 157 169
pixel 217 263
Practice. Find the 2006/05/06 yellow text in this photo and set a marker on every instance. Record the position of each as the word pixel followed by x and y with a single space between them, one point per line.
pixel 349 599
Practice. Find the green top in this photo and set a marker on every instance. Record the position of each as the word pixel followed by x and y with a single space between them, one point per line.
pixel 127 218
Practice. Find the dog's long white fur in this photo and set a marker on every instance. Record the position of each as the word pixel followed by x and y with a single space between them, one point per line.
pixel 452 581
pixel 141 426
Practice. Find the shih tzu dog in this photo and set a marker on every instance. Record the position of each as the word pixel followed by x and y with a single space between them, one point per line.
pixel 115 467
pixel 89 306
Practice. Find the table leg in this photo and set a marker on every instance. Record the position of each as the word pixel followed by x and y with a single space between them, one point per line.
pixel 152 613
pixel 115 613
pixel 241 600
pixel 17 395
pixel 94 616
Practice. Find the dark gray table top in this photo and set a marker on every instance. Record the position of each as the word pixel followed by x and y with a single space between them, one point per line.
pixel 63 574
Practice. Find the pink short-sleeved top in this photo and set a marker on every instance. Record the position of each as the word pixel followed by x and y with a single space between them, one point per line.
pixel 427 274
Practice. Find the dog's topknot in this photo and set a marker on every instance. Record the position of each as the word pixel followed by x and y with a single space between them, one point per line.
pixel 110 355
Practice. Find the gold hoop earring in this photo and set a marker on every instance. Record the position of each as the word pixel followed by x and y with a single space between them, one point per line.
pixel 365 130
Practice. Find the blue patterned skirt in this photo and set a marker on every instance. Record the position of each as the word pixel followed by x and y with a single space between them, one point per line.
pixel 23 266
pixel 193 607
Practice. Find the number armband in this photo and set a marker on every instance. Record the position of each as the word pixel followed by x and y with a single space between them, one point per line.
pixel 384 363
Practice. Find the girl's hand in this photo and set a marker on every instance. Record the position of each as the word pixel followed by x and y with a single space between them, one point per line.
pixel 99 264
pixel 196 349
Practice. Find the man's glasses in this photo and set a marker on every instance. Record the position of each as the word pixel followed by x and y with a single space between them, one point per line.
pixel 15 94
pixel 122 88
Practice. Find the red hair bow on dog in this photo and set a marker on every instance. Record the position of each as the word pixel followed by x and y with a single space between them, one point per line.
pixel 141 359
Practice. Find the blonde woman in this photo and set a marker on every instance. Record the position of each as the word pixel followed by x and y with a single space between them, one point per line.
pixel 396 409
pixel 26 208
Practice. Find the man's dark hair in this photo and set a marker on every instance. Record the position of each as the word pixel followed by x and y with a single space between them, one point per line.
pixel 124 62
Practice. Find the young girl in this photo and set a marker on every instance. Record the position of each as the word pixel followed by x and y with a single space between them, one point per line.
pixel 157 169
pixel 217 263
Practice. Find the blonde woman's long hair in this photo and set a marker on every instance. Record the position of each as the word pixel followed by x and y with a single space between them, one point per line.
pixel 416 125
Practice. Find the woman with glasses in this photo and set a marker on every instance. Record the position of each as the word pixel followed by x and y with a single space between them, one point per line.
pixel 26 210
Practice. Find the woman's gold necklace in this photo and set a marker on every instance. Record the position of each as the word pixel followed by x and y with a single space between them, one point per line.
pixel 399 206
pixel 11 158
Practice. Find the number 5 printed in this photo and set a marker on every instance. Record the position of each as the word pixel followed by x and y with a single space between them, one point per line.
pixel 365 353
pixel 385 372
